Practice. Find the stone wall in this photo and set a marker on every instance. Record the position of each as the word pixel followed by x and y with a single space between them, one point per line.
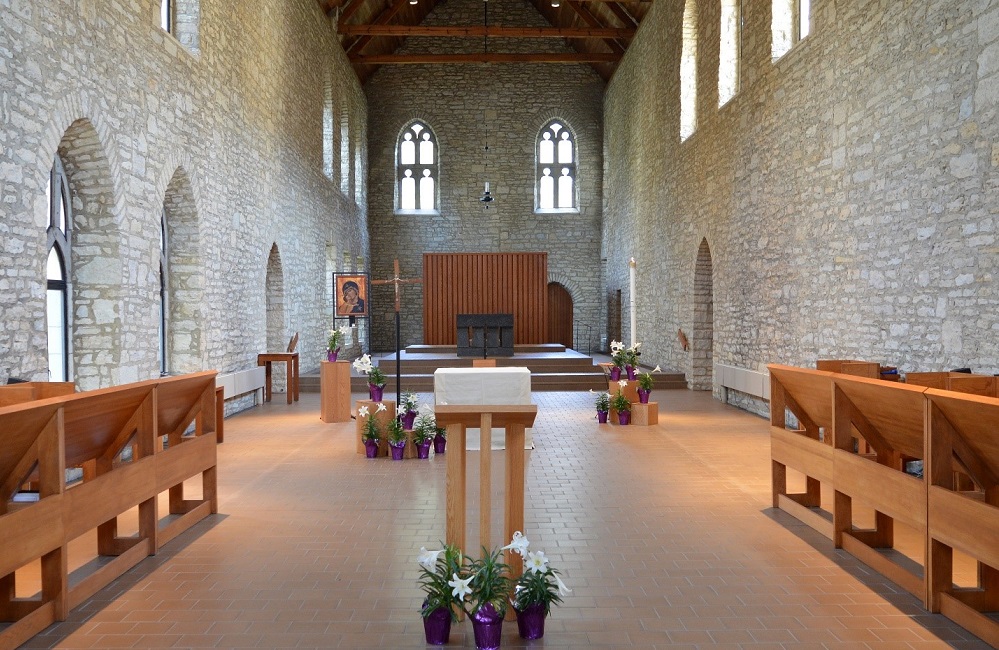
pixel 225 134
pixel 847 194
pixel 468 107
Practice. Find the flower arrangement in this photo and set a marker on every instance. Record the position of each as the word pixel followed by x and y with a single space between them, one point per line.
pixel 336 335
pixel 375 376
pixel 489 583
pixel 371 431
pixel 396 434
pixel 645 379
pixel 438 570
pixel 540 585
pixel 425 428
pixel 602 401
pixel 622 356
pixel 620 403
pixel 410 401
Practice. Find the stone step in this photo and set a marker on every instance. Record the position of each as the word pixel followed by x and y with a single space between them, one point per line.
pixel 424 383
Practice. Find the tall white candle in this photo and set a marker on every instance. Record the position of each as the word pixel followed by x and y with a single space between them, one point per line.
pixel 487 187
pixel 631 291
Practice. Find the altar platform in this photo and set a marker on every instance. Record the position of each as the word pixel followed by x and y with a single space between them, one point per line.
pixel 553 367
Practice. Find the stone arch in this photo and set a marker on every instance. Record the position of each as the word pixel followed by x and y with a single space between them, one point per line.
pixel 275 303
pixel 185 270
pixel 97 264
pixel 702 334
pixel 581 340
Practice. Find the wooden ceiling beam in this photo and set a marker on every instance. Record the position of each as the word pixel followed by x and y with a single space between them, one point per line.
pixel 383 19
pixel 482 30
pixel 622 14
pixel 539 57
pixel 351 7
pixel 594 22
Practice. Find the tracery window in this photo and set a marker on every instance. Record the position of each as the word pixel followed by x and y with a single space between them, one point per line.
pixel 417 168
pixel 555 173
pixel 57 267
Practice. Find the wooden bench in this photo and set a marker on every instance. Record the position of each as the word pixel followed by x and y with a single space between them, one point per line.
pixel 807 394
pixel 34 390
pixel 90 430
pixel 964 429
pixel 961 382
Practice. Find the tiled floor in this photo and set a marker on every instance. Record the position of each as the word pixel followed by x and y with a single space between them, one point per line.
pixel 664 533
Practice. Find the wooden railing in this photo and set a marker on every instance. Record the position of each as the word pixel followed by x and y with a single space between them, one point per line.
pixel 167 431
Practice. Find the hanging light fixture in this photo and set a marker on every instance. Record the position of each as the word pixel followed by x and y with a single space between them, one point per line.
pixel 556 4
pixel 486 197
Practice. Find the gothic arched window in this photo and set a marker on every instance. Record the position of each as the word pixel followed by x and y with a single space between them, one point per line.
pixel 57 267
pixel 417 157
pixel 555 173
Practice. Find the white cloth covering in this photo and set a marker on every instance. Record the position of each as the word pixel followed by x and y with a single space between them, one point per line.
pixel 484 386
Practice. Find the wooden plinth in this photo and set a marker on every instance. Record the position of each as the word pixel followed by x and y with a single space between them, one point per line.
pixel 483 363
pixel 334 391
pixel 630 390
pixel 645 414
pixel 383 418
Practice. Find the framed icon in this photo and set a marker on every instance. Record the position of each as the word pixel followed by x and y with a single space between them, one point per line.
pixel 351 294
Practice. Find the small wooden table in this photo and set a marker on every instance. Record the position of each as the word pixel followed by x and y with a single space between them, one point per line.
pixel 289 358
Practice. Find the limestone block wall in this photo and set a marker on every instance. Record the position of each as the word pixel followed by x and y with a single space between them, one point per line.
pixel 846 195
pixel 226 137
pixel 505 107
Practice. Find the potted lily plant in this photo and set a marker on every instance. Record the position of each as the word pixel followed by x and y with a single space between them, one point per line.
pixel 488 587
pixel 333 341
pixel 645 385
pixel 438 571
pixel 602 404
pixel 535 591
pixel 376 378
pixel 424 431
pixel 618 359
pixel 371 435
pixel 396 438
pixel 407 410
pixel 621 404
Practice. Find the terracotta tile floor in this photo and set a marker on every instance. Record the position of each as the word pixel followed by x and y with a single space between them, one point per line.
pixel 664 533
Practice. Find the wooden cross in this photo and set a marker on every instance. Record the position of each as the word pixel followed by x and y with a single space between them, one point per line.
pixel 397 281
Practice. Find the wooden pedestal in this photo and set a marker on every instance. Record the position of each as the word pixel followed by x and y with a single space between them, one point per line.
pixel 334 391
pixel 383 418
pixel 630 391
pixel 483 363
pixel 645 414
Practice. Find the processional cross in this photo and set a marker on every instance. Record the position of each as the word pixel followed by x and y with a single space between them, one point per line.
pixel 397 281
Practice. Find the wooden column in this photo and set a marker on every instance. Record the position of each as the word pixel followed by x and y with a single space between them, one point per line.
pixel 334 391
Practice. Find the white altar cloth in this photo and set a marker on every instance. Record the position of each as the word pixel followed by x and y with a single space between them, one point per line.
pixel 484 386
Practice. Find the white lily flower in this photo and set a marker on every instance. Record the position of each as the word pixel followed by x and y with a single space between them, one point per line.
pixel 637 345
pixel 400 410
pixel 656 369
pixel 381 407
pixel 428 559
pixel 615 346
pixel 537 562
pixel 363 412
pixel 562 589
pixel 461 588
pixel 622 383
pixel 363 363
pixel 345 329
pixel 518 545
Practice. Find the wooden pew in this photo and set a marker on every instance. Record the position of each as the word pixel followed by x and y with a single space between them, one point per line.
pixel 891 418
pixel 91 429
pixel 867 369
pixel 964 429
pixel 807 394
pixel 34 390
pixel 961 382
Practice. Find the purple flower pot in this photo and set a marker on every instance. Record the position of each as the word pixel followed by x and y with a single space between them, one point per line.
pixel 487 624
pixel 407 420
pixel 631 372
pixel 615 373
pixel 531 621
pixel 437 626
pixel 423 450
pixel 643 395
pixel 375 392
pixel 624 417
pixel 331 355
pixel 371 448
pixel 397 452
pixel 602 417
pixel 440 443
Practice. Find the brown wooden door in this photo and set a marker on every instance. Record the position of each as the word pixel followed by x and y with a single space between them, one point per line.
pixel 559 315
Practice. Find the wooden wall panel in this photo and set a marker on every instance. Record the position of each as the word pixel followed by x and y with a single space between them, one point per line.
pixel 485 283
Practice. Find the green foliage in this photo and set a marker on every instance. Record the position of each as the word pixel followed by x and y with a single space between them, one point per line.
pixel 435 583
pixel 602 402
pixel 645 380
pixel 396 434
pixel 441 433
pixel 410 401
pixel 491 584
pixel 537 587
pixel 424 428
pixel 620 402
pixel 376 376
pixel 371 431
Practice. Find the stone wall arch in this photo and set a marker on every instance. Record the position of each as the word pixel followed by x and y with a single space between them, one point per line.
pixel 580 323
pixel 186 275
pixel 702 333
pixel 274 299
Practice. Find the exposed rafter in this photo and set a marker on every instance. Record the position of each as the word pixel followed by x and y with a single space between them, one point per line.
pixel 540 57
pixel 383 19
pixel 593 21
pixel 491 31
pixel 622 14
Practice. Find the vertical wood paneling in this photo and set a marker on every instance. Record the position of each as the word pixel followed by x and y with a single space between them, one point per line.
pixel 485 283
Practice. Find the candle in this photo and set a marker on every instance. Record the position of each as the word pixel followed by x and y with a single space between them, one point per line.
pixel 631 290
pixel 487 187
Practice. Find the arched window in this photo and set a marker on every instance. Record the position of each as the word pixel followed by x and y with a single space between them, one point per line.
pixel 58 236
pixel 728 51
pixel 790 21
pixel 555 172
pixel 417 159
pixel 166 15
pixel 688 72
pixel 164 292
